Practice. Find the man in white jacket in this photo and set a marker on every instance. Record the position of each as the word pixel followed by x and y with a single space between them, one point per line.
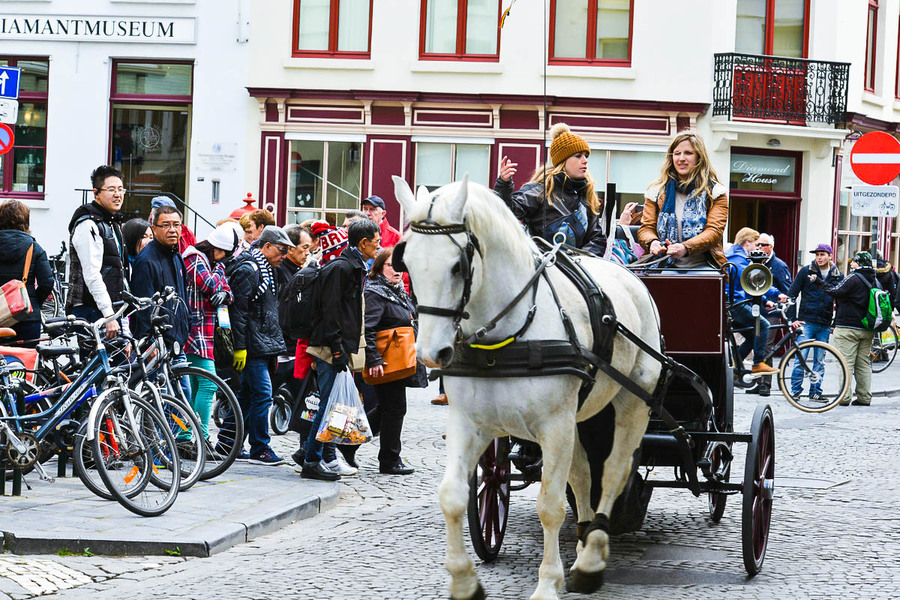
pixel 97 273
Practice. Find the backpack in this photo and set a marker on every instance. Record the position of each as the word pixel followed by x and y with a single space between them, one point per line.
pixel 880 311
pixel 298 305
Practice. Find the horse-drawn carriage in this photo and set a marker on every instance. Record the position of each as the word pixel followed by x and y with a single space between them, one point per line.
pixel 694 334
pixel 539 344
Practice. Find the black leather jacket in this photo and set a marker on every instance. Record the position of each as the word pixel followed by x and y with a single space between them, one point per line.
pixel 340 312
pixel 545 219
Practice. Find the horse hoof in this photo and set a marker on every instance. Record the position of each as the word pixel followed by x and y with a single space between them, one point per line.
pixel 478 595
pixel 584 583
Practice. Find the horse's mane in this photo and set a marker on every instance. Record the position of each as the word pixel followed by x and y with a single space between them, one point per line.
pixel 492 222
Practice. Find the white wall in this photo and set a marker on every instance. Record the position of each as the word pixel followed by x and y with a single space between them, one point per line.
pixel 79 108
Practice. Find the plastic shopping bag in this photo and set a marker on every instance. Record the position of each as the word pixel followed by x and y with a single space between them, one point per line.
pixel 344 421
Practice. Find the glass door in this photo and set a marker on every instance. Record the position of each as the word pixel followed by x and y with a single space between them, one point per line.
pixel 150 146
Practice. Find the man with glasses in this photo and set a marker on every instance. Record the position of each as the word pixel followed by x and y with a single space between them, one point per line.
pixel 157 266
pixel 97 275
pixel 258 339
pixel 781 280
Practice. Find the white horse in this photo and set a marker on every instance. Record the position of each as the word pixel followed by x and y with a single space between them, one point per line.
pixel 541 409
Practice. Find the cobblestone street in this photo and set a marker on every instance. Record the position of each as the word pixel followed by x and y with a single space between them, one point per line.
pixel 835 532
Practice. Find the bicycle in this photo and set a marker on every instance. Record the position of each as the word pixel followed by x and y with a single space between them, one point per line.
pixel 55 304
pixel 884 348
pixel 804 386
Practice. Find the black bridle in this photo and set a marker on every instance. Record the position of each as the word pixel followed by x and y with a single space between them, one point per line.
pixel 467 270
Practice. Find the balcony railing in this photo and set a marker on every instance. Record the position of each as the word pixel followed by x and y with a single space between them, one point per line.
pixel 775 89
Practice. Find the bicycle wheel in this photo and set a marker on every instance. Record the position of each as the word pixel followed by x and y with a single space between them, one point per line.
pixel 83 463
pixel 811 385
pixel 185 426
pixel 135 453
pixel 221 449
pixel 884 349
pixel 52 306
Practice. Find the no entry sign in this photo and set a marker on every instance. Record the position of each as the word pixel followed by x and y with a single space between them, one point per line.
pixel 7 138
pixel 875 158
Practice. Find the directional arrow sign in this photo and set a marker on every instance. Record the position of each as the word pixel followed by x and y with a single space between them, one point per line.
pixel 7 138
pixel 875 158
pixel 9 82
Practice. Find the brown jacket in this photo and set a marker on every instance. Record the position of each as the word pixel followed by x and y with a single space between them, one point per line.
pixel 709 241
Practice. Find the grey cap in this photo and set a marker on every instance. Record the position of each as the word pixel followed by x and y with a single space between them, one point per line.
pixel 162 201
pixel 274 235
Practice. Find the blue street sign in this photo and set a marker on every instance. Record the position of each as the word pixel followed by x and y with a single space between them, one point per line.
pixel 9 82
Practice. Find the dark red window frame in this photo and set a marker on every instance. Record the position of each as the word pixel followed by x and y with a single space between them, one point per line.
pixel 333 28
pixel 871 46
pixel 462 9
pixel 591 50
pixel 897 74
pixel 24 97
pixel 770 28
pixel 115 96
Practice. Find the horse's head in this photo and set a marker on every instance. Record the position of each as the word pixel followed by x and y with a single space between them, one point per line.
pixel 439 257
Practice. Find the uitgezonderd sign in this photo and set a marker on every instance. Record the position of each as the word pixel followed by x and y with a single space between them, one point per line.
pixel 87 28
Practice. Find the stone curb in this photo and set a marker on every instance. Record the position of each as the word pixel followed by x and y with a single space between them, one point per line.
pixel 234 528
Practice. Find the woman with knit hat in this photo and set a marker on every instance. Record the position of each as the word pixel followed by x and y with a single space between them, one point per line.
pixel 686 208
pixel 560 197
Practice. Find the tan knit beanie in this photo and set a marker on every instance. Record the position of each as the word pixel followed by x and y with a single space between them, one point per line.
pixel 565 144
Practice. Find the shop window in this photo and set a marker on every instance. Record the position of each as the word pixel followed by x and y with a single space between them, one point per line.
pixel 871 46
pixel 324 180
pixel 150 130
pixel 22 170
pixel 591 31
pixel 772 27
pixel 332 28
pixel 460 30
pixel 438 164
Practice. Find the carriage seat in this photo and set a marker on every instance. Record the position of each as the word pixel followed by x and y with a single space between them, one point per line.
pixel 620 233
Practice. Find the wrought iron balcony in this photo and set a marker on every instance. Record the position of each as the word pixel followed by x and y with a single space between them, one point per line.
pixel 775 89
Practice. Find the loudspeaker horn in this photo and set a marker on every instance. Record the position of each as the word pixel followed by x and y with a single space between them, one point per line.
pixel 756 279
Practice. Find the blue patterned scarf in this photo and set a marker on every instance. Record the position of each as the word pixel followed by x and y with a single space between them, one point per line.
pixel 693 218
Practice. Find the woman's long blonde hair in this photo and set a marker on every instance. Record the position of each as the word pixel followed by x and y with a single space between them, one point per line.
pixel 546 174
pixel 703 175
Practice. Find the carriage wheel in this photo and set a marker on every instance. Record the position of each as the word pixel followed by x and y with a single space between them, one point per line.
pixel 489 500
pixel 759 488
pixel 717 500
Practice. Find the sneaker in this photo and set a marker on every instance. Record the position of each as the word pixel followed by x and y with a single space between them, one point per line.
pixel 242 456
pixel 266 457
pixel 816 397
pixel 340 466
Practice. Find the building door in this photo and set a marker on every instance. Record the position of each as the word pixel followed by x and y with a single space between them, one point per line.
pixel 765 195
pixel 150 147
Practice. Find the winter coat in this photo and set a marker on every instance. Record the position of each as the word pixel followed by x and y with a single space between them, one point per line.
pixel 156 267
pixel 737 256
pixel 388 308
pixel 254 315
pixel 710 239
pixel 202 282
pixel 98 269
pixel 341 303
pixel 815 305
pixel 14 245
pixel 852 296
pixel 544 218
pixel 781 274
pixel 389 235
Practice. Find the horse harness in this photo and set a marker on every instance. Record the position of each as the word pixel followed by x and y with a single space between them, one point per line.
pixel 545 358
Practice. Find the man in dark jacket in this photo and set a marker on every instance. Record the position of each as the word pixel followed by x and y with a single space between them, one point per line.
pixel 816 311
pixel 157 266
pixel 850 337
pixel 258 339
pixel 337 336
pixel 97 273
pixel 781 280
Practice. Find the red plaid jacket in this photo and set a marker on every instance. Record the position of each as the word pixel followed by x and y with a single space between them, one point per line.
pixel 202 282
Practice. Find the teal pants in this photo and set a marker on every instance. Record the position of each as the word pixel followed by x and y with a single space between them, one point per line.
pixel 203 391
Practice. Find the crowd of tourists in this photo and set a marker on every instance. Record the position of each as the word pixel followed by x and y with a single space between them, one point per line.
pixel 257 270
